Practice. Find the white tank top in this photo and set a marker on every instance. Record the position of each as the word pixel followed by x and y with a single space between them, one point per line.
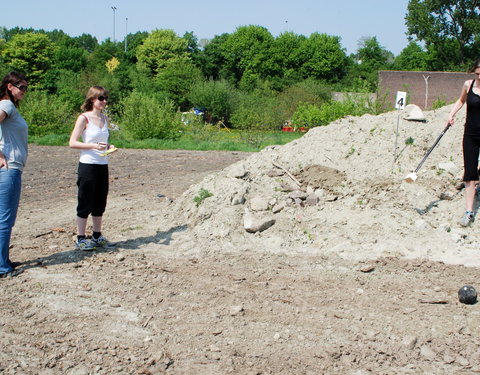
pixel 94 134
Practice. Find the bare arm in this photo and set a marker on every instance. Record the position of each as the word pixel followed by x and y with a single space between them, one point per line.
pixel 80 126
pixel 459 103
pixel 3 161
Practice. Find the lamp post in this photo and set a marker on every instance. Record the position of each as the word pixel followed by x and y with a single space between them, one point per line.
pixel 114 9
pixel 126 33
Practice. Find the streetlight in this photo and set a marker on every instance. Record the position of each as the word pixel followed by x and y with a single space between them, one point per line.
pixel 126 33
pixel 114 9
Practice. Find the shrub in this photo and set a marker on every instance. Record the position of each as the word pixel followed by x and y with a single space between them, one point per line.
pixel 216 97
pixel 257 113
pixel 144 116
pixel 47 114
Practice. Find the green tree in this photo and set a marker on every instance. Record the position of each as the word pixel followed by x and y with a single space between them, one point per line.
pixel 248 55
pixel 324 58
pixel 369 59
pixel 287 52
pixel 176 79
pixel 213 59
pixel 87 42
pixel 449 28
pixel 161 48
pixel 412 57
pixel 31 54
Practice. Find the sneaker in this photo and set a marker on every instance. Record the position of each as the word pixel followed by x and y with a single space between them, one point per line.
pixel 467 219
pixel 100 242
pixel 84 244
pixel 12 273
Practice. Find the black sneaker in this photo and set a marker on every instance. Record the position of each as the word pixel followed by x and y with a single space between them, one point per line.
pixel 12 273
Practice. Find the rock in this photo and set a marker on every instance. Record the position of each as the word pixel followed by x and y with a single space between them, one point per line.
pixel 120 257
pixel 279 207
pixel 319 193
pixel 298 194
pixel 275 173
pixel 235 310
pixel 311 200
pixel 421 224
pixel 446 196
pixel 256 223
pixel 450 167
pixel 426 352
pixel 409 342
pixel 258 204
pixel 237 171
pixel 287 187
pixel 414 113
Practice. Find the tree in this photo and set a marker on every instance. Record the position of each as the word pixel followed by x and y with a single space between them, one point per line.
pixel 286 49
pixel 412 57
pixel 213 58
pixel 449 27
pixel 248 54
pixel 161 48
pixel 324 58
pixel 30 54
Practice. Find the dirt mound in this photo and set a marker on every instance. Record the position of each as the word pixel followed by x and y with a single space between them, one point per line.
pixel 341 190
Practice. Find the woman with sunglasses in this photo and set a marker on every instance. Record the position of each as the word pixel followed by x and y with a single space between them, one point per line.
pixel 13 156
pixel 471 139
pixel 92 127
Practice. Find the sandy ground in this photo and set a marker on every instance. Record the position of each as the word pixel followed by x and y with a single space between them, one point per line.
pixel 363 282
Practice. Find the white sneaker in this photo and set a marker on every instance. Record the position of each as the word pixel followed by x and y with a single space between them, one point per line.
pixel 84 244
pixel 100 242
pixel 467 219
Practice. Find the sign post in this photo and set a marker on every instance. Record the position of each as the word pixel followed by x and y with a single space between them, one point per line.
pixel 399 105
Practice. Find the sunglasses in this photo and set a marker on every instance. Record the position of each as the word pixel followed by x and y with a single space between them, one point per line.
pixel 22 88
pixel 102 98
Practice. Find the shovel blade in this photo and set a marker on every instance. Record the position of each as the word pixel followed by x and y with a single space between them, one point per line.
pixel 412 177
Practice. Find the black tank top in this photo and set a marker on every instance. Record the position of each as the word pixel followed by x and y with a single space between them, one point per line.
pixel 472 125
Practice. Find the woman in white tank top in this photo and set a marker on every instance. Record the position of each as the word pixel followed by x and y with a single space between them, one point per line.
pixel 92 127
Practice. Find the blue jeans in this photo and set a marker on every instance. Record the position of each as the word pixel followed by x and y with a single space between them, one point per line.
pixel 10 188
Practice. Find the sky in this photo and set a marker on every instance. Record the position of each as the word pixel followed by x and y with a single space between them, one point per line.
pixel 351 20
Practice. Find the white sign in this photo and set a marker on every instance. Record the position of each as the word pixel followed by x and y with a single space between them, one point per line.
pixel 401 99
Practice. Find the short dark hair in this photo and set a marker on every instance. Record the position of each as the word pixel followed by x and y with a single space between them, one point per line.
pixel 14 78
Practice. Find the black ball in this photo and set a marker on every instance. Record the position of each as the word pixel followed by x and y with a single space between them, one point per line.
pixel 467 294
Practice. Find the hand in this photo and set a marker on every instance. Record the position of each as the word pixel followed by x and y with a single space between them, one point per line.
pixel 3 161
pixel 110 146
pixel 450 121
pixel 101 146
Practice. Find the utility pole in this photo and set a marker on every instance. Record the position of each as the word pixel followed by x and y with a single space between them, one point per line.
pixel 114 9
pixel 126 33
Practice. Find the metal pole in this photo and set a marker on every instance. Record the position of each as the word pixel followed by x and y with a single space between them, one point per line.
pixel 114 9
pixel 126 33
pixel 426 90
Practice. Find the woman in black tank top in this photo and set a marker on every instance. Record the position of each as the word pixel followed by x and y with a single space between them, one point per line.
pixel 471 139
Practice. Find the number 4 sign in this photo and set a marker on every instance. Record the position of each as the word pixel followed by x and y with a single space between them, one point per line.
pixel 401 99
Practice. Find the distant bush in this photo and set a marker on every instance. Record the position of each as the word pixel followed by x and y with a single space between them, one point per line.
pixel 144 116
pixel 47 114
pixel 256 112
pixel 216 97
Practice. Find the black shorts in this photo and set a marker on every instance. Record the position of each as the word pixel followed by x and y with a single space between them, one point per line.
pixel 92 185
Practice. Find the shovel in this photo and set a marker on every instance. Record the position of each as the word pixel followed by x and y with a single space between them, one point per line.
pixel 412 177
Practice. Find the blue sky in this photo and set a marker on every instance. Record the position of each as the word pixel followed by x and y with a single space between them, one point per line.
pixel 351 20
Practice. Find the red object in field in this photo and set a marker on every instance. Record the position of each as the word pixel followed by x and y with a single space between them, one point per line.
pixel 302 129
pixel 287 129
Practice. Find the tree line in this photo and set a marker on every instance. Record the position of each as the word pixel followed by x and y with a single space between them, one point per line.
pixel 247 78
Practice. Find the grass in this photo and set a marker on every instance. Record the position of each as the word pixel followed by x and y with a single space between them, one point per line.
pixel 218 140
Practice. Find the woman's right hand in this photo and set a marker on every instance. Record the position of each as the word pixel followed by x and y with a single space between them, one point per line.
pixel 3 161
pixel 450 121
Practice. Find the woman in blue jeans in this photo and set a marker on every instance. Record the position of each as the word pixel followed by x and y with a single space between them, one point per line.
pixel 13 156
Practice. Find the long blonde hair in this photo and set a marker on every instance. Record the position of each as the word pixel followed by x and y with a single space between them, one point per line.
pixel 93 93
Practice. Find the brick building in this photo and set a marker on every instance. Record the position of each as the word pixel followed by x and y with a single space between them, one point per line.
pixel 422 88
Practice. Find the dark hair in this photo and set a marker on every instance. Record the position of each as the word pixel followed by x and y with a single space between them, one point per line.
pixel 14 78
pixel 476 65
pixel 93 93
